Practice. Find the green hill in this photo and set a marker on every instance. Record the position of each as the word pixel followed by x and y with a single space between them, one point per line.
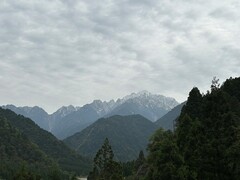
pixel 67 159
pixel 17 152
pixel 127 135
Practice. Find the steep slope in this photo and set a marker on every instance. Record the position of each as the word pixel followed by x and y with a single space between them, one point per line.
pixel 168 120
pixel 56 149
pixel 127 135
pixel 16 149
pixel 151 106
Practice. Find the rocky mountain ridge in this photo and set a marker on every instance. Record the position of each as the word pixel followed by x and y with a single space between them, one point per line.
pixel 69 119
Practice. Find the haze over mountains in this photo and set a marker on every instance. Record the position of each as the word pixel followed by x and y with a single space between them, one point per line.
pixel 69 119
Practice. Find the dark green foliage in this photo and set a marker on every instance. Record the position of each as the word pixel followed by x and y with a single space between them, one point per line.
pixel 19 157
pixel 139 161
pixel 207 131
pixel 104 165
pixel 127 134
pixel 232 86
pixel 206 142
pixel 26 174
pixel 128 168
pixel 193 105
pixel 47 143
pixel 135 170
pixel 165 160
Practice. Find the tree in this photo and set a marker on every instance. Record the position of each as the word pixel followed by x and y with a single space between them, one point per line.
pixel 189 139
pixel 208 134
pixel 139 161
pixel 164 159
pixel 194 104
pixel 215 84
pixel 104 166
pixel 206 142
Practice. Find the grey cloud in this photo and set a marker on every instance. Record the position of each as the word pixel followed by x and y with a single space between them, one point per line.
pixel 54 53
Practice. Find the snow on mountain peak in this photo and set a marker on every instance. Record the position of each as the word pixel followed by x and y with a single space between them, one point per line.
pixel 147 99
pixel 102 107
pixel 65 110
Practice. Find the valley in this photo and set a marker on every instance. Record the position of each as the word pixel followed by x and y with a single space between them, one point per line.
pixel 126 145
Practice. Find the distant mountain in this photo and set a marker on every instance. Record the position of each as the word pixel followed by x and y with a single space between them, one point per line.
pixel 102 107
pixel 47 143
pixel 144 103
pixel 81 118
pixel 75 122
pixel 54 118
pixel 151 106
pixel 168 120
pixel 69 119
pixel 127 135
pixel 35 113
pixel 41 117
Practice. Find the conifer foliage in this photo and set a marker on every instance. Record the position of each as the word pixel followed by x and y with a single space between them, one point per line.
pixel 206 142
pixel 104 165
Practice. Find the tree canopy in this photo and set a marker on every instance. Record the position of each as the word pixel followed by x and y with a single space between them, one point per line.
pixel 206 142
pixel 104 166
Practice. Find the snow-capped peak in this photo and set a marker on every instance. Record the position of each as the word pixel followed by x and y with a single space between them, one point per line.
pixel 65 110
pixel 138 94
pixel 145 98
pixel 102 107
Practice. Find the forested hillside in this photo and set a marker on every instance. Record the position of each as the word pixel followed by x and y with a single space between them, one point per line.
pixel 22 159
pixel 127 134
pixel 67 159
pixel 206 142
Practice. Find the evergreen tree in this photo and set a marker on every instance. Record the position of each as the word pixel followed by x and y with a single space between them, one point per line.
pixel 209 134
pixel 128 168
pixel 215 84
pixel 206 142
pixel 104 165
pixel 164 160
pixel 193 106
pixel 232 86
pixel 139 161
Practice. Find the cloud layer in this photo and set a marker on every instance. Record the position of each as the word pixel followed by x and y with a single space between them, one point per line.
pixel 60 52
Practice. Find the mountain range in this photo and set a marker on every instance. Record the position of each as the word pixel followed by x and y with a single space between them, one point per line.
pixel 69 119
pixel 127 134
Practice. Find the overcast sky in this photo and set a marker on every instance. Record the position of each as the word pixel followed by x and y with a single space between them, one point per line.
pixel 61 52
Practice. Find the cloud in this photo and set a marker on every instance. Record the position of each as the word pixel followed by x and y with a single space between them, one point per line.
pixel 54 53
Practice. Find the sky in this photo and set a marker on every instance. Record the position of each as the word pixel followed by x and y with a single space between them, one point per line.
pixel 61 52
